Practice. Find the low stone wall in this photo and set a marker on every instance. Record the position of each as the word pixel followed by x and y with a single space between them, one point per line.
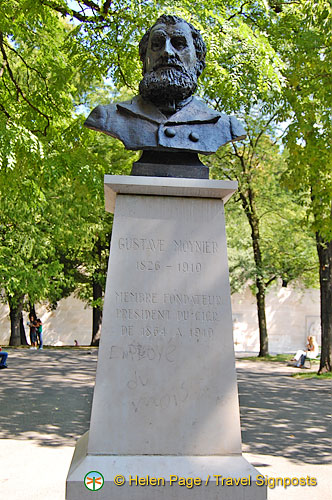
pixel 291 316
pixel 71 320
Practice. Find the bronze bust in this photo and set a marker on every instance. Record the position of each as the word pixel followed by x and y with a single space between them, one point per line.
pixel 166 121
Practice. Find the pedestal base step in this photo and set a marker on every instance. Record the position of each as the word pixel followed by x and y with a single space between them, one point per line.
pixel 164 477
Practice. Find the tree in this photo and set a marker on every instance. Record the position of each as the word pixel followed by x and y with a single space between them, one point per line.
pixel 41 229
pixel 291 43
pixel 21 237
pixel 43 198
pixel 54 52
pixel 280 247
pixel 95 253
pixel 301 34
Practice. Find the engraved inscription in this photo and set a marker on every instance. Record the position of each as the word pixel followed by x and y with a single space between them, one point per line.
pixel 198 299
pixel 188 315
pixel 167 298
pixel 162 332
pixel 127 330
pixel 194 313
pixel 143 314
pixel 141 244
pixel 137 297
pixel 187 267
pixel 181 267
pixel 148 265
pixel 201 332
pixel 160 245
pixel 153 331
pixel 161 309
pixel 146 331
pixel 189 246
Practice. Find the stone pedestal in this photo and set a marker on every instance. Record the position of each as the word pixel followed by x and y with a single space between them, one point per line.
pixel 165 401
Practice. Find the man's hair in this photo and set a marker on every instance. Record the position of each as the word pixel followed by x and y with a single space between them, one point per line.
pixel 198 41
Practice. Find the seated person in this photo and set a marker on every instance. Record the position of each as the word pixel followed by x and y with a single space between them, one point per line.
pixel 310 352
pixel 3 359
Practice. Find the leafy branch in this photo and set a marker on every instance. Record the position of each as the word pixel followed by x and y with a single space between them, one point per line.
pixel 19 91
pixel 31 68
pixel 99 13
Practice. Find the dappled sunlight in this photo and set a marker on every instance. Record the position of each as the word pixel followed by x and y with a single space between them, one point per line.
pixel 46 396
pixel 283 416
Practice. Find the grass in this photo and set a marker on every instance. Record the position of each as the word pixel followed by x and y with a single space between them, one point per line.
pixel 276 357
pixel 287 358
pixel 281 358
pixel 304 375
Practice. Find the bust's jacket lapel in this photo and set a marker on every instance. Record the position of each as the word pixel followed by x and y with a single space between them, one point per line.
pixel 140 108
pixel 195 111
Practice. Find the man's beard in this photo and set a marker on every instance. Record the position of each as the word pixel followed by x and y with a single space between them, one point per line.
pixel 168 84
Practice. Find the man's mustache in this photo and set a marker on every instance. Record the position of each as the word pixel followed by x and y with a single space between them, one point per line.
pixel 169 62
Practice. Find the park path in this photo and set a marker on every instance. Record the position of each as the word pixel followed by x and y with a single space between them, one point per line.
pixel 45 401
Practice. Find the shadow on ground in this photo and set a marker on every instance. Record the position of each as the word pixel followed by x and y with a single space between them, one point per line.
pixel 46 395
pixel 283 416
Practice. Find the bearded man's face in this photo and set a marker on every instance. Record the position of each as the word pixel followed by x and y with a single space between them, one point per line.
pixel 170 64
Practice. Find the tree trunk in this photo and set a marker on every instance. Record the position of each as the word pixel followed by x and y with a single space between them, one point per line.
pixel 249 208
pixel 260 295
pixel 324 250
pixel 32 310
pixel 15 312
pixel 22 331
pixel 97 314
pixel 260 300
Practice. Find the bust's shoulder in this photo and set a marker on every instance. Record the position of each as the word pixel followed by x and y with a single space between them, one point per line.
pixel 105 117
pixel 99 116
pixel 227 128
pixel 134 122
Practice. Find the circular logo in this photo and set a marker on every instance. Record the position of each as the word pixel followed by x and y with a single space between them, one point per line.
pixel 94 480
pixel 119 480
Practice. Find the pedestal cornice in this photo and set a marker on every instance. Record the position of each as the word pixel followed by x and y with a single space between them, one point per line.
pixel 165 186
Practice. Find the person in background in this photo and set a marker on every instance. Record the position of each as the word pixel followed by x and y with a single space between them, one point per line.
pixel 39 332
pixel 3 359
pixel 32 323
pixel 76 344
pixel 310 352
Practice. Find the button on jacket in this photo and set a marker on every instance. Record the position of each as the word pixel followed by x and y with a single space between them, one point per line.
pixel 141 126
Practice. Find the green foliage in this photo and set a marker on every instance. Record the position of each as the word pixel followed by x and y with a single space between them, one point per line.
pixel 301 34
pixel 286 247
pixel 311 375
pixel 101 40
pixel 36 76
pixel 110 157
pixel 54 56
pixel 279 358
pixel 51 169
pixel 28 260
